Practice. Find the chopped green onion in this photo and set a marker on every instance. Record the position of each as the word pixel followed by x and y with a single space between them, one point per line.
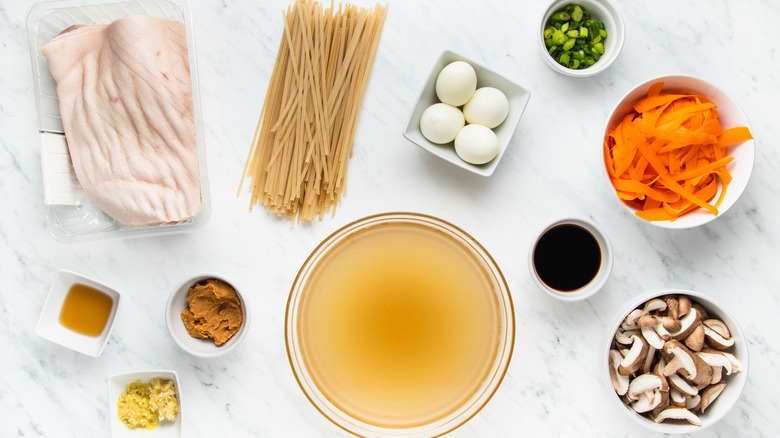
pixel 573 38
pixel 576 15
pixel 558 37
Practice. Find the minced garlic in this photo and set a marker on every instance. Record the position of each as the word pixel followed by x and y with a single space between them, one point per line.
pixel 142 405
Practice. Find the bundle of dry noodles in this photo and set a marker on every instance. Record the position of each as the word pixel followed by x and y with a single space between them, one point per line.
pixel 303 141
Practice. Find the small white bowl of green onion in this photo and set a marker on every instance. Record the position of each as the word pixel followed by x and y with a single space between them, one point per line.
pixel 581 38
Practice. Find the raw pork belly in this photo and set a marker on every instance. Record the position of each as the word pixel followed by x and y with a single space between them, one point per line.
pixel 126 105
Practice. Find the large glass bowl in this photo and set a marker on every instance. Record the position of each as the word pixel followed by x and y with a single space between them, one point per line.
pixel 399 325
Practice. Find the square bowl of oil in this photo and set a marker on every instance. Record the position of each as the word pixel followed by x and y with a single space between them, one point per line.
pixel 145 403
pixel 78 313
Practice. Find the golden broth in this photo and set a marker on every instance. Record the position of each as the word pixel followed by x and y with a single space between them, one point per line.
pixel 399 324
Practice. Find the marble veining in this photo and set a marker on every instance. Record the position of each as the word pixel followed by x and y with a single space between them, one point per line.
pixel 551 170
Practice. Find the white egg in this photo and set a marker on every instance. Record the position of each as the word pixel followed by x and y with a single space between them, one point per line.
pixel 488 106
pixel 456 83
pixel 440 123
pixel 476 144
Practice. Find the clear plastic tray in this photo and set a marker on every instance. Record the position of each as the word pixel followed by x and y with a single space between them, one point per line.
pixel 71 216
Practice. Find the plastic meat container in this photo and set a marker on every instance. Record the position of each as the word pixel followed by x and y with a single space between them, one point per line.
pixel 70 214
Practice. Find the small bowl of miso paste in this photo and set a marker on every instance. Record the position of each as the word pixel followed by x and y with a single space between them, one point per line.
pixel 79 313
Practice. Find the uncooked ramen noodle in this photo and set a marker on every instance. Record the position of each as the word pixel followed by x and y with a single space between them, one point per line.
pixel 299 155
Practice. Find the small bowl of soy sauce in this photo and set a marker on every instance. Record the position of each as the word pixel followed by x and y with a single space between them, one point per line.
pixel 571 259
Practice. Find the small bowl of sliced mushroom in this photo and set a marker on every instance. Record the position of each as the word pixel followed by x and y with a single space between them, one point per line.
pixel 675 360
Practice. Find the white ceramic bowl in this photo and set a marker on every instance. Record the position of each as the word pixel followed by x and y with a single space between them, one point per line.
pixel 117 384
pixel 206 348
pixel 517 96
pixel 730 116
pixel 605 268
pixel 735 382
pixel 600 10
pixel 49 326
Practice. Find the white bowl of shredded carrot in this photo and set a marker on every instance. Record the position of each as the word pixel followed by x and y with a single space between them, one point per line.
pixel 678 151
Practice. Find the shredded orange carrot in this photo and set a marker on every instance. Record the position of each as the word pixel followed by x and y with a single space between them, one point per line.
pixel 668 155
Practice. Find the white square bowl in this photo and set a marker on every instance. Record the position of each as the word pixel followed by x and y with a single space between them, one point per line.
pixel 49 326
pixel 517 96
pixel 116 385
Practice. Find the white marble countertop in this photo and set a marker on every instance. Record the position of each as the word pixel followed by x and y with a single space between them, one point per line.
pixel 552 169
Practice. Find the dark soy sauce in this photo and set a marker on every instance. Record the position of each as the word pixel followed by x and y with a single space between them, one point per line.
pixel 567 257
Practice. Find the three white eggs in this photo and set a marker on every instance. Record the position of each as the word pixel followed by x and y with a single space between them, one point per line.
pixel 471 128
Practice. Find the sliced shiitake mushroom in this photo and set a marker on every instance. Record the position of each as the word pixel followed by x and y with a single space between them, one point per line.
pixel 695 341
pixel 662 331
pixel 670 323
pixel 647 402
pixel 654 305
pixel 692 403
pixel 719 327
pixel 667 360
pixel 635 356
pixel 677 398
pixel 623 337
pixel 702 311
pixel 648 392
pixel 677 413
pixel 619 381
pixel 688 324
pixel 686 363
pixel 680 364
pixel 716 340
pixel 693 367
pixel 652 337
pixel 646 383
pixel 736 365
pixel 717 375
pixel 716 359
pixel 677 382
pixel 683 305
pixel 649 360
pixel 710 394
pixel 672 305
pixel 629 323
